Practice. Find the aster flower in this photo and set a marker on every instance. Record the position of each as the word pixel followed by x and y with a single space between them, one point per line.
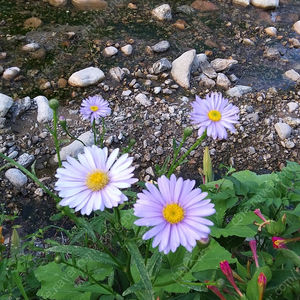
pixel 94 107
pixel 175 211
pixel 94 181
pixel 214 114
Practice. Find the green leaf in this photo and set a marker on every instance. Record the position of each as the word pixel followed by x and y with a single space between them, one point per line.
pixel 136 256
pixel 128 218
pixel 241 231
pixel 243 218
pixel 240 187
pixel 57 282
pixel 18 281
pixel 252 286
pixel 85 253
pixel 154 263
pixel 134 288
pixel 291 255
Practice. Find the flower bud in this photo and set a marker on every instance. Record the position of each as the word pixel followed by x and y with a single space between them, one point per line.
pixel 54 104
pixel 15 242
pixel 203 243
pixel 187 131
pixel 207 168
pixel 62 122
pixel 220 283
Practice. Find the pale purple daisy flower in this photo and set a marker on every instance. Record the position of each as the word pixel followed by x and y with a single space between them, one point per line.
pixel 94 107
pixel 214 114
pixel 93 182
pixel 176 213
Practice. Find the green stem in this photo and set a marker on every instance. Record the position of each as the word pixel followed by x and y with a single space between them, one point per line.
pixel 147 251
pixel 73 137
pixel 196 144
pixel 95 132
pixel 55 137
pixel 92 278
pixel 103 133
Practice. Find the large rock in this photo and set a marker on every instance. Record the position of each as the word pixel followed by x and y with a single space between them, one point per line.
pixel 241 2
pixel 86 77
pixel 220 64
pixel 292 75
pixel 16 177
pixel 89 4
pixel 283 130
pixel 6 103
pixel 206 67
pixel 182 66
pixel 296 27
pixel 239 90
pixel 266 4
pixel 162 12
pixel 45 113
pixel 76 147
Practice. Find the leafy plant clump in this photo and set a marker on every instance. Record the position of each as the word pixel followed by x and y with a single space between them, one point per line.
pixel 235 238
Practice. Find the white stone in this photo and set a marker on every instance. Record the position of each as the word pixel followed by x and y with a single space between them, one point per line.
pixel 31 47
pixel 292 106
pixel 44 112
pixel 206 82
pixel 16 177
pixel 157 90
pixel 271 31
pixel 161 46
pixel 143 99
pixel 127 50
pixel 116 73
pixel 292 75
pixel 126 93
pixel 11 73
pixel 162 12
pixel 283 130
pixel 238 90
pixel 241 2
pixel 58 3
pixel 86 77
pixel 182 66
pixel 6 103
pixel 76 147
pixel 266 4
pixel 220 64
pixel 223 81
pixel 110 51
pixel 296 27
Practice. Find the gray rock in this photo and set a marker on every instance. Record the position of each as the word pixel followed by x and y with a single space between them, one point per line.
pixel 127 50
pixel 117 73
pixel 293 122
pixel 162 12
pixel 45 113
pixel 2 122
pixel 76 147
pixel 16 177
pixel 271 53
pixel 292 75
pixel 182 66
pixel 206 82
pixel 143 99
pixel 110 51
pixel 186 9
pixel 206 67
pixel 25 160
pixel 161 46
pixel 223 81
pixel 292 106
pixel 162 65
pixel 6 103
pixel 220 64
pixel 283 130
pixel 86 77
pixel 31 47
pixel 238 91
pixel 10 73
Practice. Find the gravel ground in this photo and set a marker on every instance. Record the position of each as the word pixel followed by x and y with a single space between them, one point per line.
pixel 255 146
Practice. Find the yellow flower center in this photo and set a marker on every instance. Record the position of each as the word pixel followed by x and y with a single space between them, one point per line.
pixel 173 213
pixel 94 108
pixel 214 115
pixel 96 180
